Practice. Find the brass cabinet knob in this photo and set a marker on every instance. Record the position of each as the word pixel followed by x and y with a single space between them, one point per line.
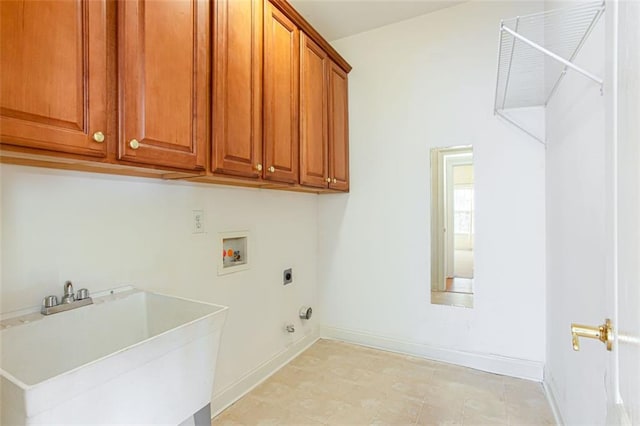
pixel 134 144
pixel 98 137
pixel 259 167
pixel 272 169
pixel 328 180
pixel 335 180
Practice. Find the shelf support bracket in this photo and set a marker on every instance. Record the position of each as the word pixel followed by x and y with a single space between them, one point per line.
pixel 509 120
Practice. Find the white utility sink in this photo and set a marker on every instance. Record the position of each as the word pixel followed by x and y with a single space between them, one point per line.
pixel 133 357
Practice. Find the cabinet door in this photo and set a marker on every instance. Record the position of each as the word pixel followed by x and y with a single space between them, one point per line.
pixel 53 75
pixel 237 88
pixel 313 114
pixel 163 74
pixel 281 80
pixel 338 129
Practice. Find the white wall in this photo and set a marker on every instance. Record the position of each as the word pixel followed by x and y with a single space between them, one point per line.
pixel 578 236
pixel 103 231
pixel 418 84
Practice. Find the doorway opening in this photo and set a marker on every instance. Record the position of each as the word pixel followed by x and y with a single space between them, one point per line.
pixel 452 226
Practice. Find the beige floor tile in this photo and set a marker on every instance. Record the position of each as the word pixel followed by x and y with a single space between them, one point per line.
pixel 352 373
pixel 274 392
pixel 349 414
pixel 470 384
pixel 538 413
pixel 335 383
pixel 439 415
pixel 392 418
pixel 252 411
pixel 411 388
pixel 409 370
pixel 304 382
pixel 467 376
pixel 321 350
pixel 452 402
pixel 290 375
pixel 307 362
pixel 519 393
pixel 484 411
pixel 365 397
pixel 318 408
pixel 398 409
pixel 475 419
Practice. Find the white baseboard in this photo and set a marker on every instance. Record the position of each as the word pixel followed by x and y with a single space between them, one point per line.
pixel 253 378
pixel 550 392
pixel 521 368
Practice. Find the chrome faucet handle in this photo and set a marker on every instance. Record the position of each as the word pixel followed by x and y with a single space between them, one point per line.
pixel 50 301
pixel 68 293
pixel 82 294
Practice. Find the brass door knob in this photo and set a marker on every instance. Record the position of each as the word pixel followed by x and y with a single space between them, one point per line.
pixel 134 144
pixel 335 180
pixel 328 180
pixel 272 169
pixel 259 167
pixel 98 137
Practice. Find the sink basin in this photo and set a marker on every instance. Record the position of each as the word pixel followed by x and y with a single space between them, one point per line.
pixel 132 357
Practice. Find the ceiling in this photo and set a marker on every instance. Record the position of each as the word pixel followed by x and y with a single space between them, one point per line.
pixel 335 19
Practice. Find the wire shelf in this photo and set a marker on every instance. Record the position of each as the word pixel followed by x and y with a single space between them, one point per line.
pixel 535 53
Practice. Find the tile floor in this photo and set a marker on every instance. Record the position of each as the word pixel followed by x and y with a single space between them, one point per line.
pixel 335 383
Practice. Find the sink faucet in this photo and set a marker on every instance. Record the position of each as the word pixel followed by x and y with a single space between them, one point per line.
pixel 68 293
pixel 69 301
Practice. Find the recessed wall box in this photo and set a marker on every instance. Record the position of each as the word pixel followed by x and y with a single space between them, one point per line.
pixel 233 252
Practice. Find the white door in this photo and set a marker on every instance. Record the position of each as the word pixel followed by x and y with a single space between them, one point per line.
pixel 626 356
pixel 622 289
pixel 623 390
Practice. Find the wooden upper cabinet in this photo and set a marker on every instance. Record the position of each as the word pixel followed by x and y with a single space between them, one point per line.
pixel 338 129
pixel 313 114
pixel 237 88
pixel 163 50
pixel 324 132
pixel 242 88
pixel 281 90
pixel 53 75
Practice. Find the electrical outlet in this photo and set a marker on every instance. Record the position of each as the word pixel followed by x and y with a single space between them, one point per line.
pixel 287 276
pixel 198 222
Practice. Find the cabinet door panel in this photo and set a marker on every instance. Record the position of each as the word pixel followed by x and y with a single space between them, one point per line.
pixel 338 129
pixel 313 114
pixel 163 51
pixel 281 80
pixel 53 75
pixel 237 92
